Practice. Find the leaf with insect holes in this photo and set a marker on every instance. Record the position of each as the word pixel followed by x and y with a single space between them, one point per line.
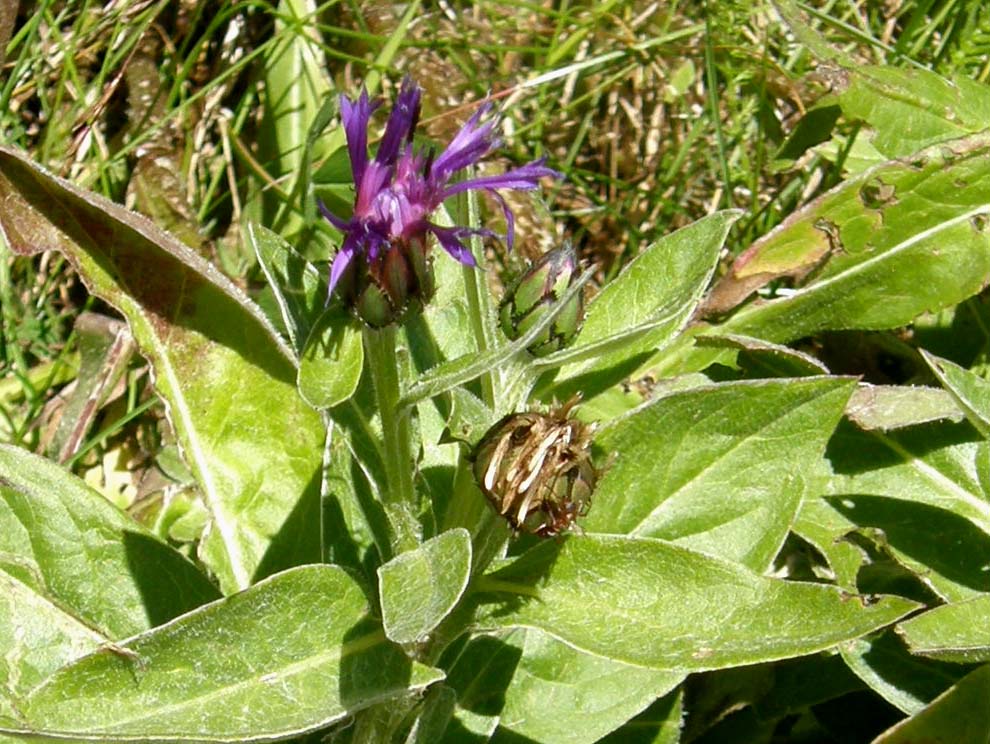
pixel 903 238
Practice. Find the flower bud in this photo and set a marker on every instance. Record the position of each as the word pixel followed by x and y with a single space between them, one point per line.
pixel 383 289
pixel 536 470
pixel 532 296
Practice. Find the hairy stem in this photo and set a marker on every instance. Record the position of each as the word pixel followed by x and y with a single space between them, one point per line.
pixel 398 494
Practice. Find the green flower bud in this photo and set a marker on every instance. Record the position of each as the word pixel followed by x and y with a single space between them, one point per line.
pixel 532 296
pixel 536 470
pixel 396 282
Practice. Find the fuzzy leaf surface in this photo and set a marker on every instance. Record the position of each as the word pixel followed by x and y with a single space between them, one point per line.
pixel 958 632
pixel 721 468
pixel 420 587
pixel 883 247
pixel 280 673
pixel 667 607
pixel 227 379
pixel 958 716
pixel 74 549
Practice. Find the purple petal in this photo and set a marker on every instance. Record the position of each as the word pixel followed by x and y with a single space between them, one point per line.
pixel 341 261
pixel 524 178
pixel 401 122
pixel 469 145
pixel 331 217
pixel 355 116
pixel 510 220
pixel 449 238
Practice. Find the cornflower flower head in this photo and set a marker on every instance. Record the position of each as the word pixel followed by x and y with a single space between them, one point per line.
pixel 382 268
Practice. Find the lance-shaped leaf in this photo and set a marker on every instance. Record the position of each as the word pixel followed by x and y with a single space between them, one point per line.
pixel 78 552
pixel 958 632
pixel 420 587
pixel 909 109
pixel 227 380
pixel 905 681
pixel 560 694
pixel 721 468
pixel 663 606
pixel 901 239
pixel 970 391
pixel 959 716
pixel 888 407
pixel 291 654
pixel 661 287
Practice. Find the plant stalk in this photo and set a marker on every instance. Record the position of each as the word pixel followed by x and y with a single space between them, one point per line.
pixel 398 495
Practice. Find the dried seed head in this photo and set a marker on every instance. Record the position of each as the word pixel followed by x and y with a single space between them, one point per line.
pixel 536 470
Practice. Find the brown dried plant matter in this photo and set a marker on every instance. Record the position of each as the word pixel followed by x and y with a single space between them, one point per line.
pixel 536 470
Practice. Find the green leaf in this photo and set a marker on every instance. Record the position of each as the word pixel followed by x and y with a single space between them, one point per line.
pixel 77 552
pixel 959 716
pixel 662 286
pixel 37 637
pixel 971 392
pixel 435 715
pixel 920 492
pixel 760 358
pixel 888 407
pixel 899 240
pixel 332 360
pixel 298 287
pixel 721 468
pixel 560 694
pixel 938 464
pixel 907 682
pixel 291 654
pixel 420 587
pixel 659 724
pixel 953 632
pixel 663 606
pixel 228 382
pixel 912 108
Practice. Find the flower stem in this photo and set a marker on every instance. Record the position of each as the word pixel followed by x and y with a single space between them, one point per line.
pixel 398 494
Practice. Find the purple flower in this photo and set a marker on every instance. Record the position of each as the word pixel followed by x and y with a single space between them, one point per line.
pixel 396 193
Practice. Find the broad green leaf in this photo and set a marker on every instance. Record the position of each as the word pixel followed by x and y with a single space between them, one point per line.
pixel 823 527
pixel 957 632
pixel 228 382
pixel 907 682
pixel 888 407
pixel 332 359
pixel 912 108
pixel 79 553
pixel 663 285
pixel 663 606
pixel 971 392
pixel 945 551
pixel 959 716
pixel 721 468
pixel 291 654
pixel 560 694
pixel 420 587
pixel 435 715
pixel 760 358
pixel 299 289
pixel 37 637
pixel 939 464
pixel 659 724
pixel 896 241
